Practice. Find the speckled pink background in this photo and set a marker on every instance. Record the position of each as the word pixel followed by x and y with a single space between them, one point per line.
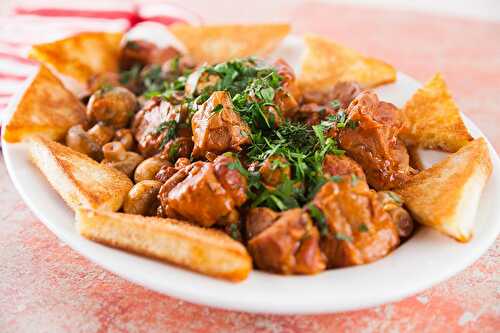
pixel 47 287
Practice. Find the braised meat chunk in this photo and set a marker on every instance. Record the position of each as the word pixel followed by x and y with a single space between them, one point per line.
pixel 355 227
pixel 217 128
pixel 205 193
pixel 373 141
pixel 288 96
pixel 343 92
pixel 258 219
pixel 157 125
pixel 335 165
pixel 289 244
pixel 231 178
pixel 274 171
pixel 318 106
pixel 145 53
pixel 199 197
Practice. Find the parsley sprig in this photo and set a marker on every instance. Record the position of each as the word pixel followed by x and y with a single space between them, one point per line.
pixel 170 127
pixel 304 147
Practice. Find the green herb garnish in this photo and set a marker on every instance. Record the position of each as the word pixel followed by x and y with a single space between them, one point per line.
pixel 354 180
pixel 335 104
pixel 130 75
pixel 170 126
pixel 363 228
pixel 105 87
pixel 344 237
pixel 338 120
pixel 174 64
pixel 218 108
pixel 318 217
pixel 234 231
pixel 336 179
pixel 173 151
pixel 397 199
pixel 132 45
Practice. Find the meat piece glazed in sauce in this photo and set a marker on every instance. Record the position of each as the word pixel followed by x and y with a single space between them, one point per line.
pixel 288 96
pixel 319 105
pixel 343 92
pixel 145 53
pixel 334 165
pixel 357 229
pixel 204 193
pixel 288 245
pixel 159 123
pixel 217 128
pixel 274 171
pixel 374 142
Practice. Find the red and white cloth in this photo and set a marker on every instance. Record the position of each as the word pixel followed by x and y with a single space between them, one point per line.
pixel 39 21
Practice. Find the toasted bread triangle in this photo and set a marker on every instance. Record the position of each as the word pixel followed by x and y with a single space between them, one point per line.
pixel 46 108
pixel 82 55
pixel 79 180
pixel 218 43
pixel 433 120
pixel 207 251
pixel 446 196
pixel 326 63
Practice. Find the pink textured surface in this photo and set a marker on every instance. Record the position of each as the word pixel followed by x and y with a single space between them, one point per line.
pixel 47 287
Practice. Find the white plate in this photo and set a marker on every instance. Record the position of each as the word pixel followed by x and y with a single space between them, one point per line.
pixel 426 259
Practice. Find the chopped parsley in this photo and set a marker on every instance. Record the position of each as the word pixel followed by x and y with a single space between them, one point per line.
pixel 130 75
pixel 173 152
pixel 342 236
pixel 282 198
pixel 303 147
pixel 318 217
pixel 236 165
pixel 234 231
pixel 397 199
pixel 105 87
pixel 278 164
pixel 363 228
pixel 335 104
pixel 170 127
pixel 132 45
pixel 218 108
pixel 174 64
pixel 354 180
pixel 336 179
pixel 339 120
pixel 153 79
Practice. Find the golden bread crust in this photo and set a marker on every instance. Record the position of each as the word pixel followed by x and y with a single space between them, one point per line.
pixel 433 120
pixel 326 63
pixel 446 195
pixel 82 55
pixel 207 251
pixel 46 108
pixel 81 181
pixel 218 43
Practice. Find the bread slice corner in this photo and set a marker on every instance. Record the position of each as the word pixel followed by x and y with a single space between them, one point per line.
pixel 81 181
pixel 446 196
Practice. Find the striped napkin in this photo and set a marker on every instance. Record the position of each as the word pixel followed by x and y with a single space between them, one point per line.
pixel 40 21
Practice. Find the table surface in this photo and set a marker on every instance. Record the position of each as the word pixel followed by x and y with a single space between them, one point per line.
pixel 47 287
